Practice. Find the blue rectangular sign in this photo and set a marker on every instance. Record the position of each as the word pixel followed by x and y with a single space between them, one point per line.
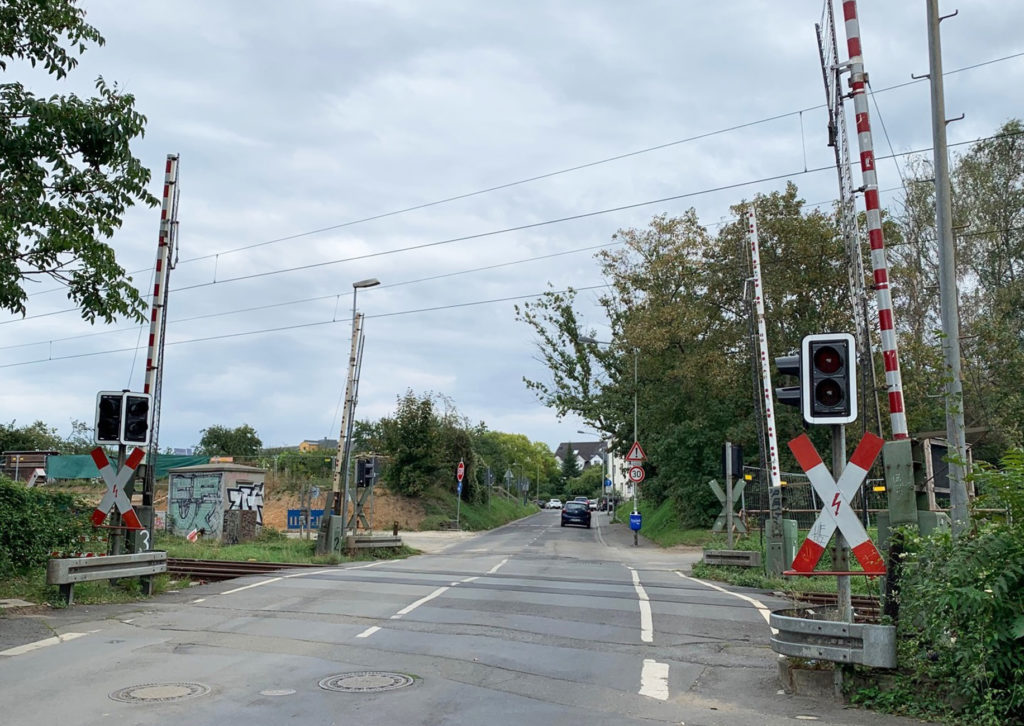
pixel 295 518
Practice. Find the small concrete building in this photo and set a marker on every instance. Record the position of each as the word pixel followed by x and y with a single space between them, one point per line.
pixel 199 496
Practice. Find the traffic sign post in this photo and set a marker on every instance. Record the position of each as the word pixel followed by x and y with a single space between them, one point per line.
pixel 460 472
pixel 636 474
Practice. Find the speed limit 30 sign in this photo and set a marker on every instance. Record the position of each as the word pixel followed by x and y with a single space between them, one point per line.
pixel 636 474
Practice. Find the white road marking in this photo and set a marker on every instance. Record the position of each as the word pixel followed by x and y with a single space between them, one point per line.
pixel 409 608
pixel 198 600
pixel 368 632
pixel 358 567
pixel 469 579
pixel 306 574
pixel 495 568
pixel 646 621
pixel 249 587
pixel 29 647
pixel 654 680
pixel 761 607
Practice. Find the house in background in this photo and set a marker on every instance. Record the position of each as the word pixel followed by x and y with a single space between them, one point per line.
pixel 586 453
pixel 597 453
pixel 318 445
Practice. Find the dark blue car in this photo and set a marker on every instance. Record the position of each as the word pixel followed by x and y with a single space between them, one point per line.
pixel 576 513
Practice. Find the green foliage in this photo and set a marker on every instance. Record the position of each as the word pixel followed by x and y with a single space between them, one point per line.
pixel 222 441
pixel 410 438
pixel 589 483
pixel 570 467
pixel 66 169
pixel 961 622
pixel 37 522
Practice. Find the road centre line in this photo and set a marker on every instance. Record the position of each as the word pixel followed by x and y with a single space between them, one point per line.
pixel 29 647
pixel 646 621
pixel 369 631
pixel 409 608
pixel 654 679
pixel 761 607
pixel 495 568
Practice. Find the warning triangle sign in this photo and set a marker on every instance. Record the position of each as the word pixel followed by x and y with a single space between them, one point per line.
pixel 636 453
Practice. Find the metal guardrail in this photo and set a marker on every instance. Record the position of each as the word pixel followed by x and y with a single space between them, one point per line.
pixel 817 634
pixel 66 571
pixel 739 558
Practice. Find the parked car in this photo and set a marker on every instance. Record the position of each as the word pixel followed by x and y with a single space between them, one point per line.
pixel 576 513
pixel 554 504
pixel 592 505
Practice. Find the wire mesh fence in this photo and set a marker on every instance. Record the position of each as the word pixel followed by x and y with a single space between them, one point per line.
pixel 800 502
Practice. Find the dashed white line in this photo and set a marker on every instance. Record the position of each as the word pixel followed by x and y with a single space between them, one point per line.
pixel 654 680
pixel 495 568
pixel 761 607
pixel 249 587
pixel 646 621
pixel 369 631
pixel 409 608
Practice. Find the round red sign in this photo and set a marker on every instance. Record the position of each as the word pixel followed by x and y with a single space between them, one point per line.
pixel 461 471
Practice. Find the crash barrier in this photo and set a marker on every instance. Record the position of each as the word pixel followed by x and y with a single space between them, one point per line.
pixel 67 571
pixel 739 558
pixel 816 633
pixel 359 541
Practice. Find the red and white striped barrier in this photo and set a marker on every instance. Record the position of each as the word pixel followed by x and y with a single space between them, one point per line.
pixel 115 495
pixel 837 511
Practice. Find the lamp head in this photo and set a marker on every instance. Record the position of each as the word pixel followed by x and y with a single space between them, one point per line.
pixel 370 282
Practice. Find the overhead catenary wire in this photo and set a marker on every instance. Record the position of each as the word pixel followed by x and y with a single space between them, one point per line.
pixel 517 228
pixel 567 170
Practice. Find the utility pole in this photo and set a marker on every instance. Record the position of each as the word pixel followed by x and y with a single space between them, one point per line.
pixel 166 258
pixel 948 295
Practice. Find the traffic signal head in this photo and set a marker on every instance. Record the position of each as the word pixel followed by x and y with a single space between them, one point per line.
pixel 365 472
pixel 108 417
pixel 829 378
pixel 788 365
pixel 135 419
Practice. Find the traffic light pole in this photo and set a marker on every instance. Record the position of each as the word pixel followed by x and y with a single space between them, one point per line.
pixel 841 548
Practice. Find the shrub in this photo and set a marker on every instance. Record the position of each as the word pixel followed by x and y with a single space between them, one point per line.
pixel 37 522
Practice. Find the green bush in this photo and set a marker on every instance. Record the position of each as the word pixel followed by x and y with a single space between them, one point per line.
pixel 36 522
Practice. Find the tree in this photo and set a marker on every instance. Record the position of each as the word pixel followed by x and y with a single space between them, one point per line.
pixel 222 441
pixel 35 437
pixel 67 173
pixel 570 467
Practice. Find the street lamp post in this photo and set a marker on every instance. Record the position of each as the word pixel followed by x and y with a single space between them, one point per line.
pixel 350 404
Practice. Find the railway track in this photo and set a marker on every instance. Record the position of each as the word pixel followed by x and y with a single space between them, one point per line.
pixel 865 605
pixel 225 570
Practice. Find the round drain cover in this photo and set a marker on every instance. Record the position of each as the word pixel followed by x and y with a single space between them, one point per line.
pixel 366 682
pixel 160 692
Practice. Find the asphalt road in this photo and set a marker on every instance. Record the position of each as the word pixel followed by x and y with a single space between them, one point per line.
pixel 528 624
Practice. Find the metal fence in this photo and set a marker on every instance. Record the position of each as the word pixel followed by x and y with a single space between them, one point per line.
pixel 799 501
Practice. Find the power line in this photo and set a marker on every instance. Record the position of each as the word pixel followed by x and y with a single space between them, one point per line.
pixel 518 228
pixel 547 175
pixel 300 326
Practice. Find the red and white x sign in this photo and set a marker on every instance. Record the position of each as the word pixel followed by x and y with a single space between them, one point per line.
pixel 837 511
pixel 115 488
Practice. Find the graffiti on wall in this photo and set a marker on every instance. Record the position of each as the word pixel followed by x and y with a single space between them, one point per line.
pixel 194 502
pixel 247 497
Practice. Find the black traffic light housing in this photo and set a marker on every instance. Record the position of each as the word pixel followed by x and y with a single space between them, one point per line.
pixel 365 472
pixel 123 417
pixel 788 365
pixel 135 419
pixel 108 417
pixel 829 378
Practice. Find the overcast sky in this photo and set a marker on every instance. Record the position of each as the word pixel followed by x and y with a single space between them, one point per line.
pixel 299 120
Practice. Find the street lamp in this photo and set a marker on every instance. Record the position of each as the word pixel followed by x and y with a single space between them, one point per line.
pixel 353 387
pixel 636 351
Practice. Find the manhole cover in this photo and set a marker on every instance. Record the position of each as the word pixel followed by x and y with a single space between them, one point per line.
pixel 366 682
pixel 160 692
